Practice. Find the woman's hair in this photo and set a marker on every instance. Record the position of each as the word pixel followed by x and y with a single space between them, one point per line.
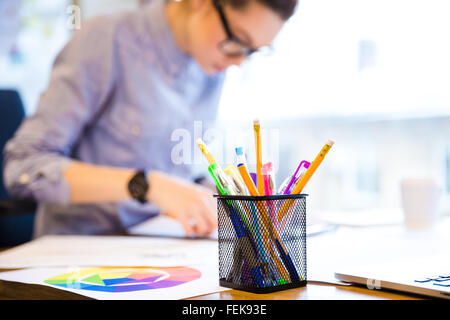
pixel 285 8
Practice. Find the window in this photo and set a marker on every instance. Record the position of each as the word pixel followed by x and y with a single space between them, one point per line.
pixel 374 75
pixel 33 32
pixel 351 58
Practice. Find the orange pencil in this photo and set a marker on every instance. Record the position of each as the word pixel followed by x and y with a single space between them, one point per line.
pixel 259 164
pixel 248 180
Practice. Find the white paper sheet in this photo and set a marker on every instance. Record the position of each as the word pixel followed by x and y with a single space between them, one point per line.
pixel 165 268
pixel 184 282
pixel 52 251
pixel 163 226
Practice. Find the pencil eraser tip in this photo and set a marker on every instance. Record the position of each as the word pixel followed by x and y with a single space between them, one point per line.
pixel 330 142
pixel 256 121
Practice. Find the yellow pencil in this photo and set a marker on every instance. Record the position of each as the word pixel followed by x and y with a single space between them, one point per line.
pixel 305 178
pixel 259 164
pixel 205 151
pixel 238 182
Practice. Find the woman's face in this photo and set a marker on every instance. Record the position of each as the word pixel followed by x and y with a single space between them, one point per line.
pixel 254 25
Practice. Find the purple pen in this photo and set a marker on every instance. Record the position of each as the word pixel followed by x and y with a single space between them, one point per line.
pixel 294 178
pixel 253 176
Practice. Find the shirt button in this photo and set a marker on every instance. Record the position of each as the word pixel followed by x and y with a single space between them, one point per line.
pixel 24 178
pixel 136 130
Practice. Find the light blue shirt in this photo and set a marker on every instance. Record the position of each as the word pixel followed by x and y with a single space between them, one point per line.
pixel 117 91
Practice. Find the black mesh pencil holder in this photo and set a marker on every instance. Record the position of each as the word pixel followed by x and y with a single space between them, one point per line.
pixel 262 242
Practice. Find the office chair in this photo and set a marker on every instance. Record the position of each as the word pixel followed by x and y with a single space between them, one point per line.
pixel 16 216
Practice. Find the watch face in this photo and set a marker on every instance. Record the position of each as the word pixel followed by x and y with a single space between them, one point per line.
pixel 138 187
pixel 136 190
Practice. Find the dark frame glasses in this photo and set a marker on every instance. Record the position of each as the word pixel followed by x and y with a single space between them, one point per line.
pixel 232 45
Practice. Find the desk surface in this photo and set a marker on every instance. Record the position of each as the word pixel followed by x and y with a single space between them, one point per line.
pixel 13 290
pixel 340 247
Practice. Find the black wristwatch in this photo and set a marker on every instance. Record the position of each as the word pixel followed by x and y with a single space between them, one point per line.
pixel 138 187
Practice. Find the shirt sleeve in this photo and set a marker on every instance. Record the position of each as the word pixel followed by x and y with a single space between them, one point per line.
pixel 80 82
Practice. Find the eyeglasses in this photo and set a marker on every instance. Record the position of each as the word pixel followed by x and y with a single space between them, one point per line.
pixel 232 46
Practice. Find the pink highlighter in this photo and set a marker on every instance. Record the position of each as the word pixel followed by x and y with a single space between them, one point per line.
pixel 268 179
pixel 301 169
pixel 269 188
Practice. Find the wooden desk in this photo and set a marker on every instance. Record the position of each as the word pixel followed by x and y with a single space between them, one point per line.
pixel 13 291
pixel 324 253
pixel 312 292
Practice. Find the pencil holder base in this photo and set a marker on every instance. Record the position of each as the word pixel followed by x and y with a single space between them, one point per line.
pixel 263 290
pixel 262 242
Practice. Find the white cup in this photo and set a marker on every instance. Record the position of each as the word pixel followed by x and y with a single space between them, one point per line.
pixel 420 200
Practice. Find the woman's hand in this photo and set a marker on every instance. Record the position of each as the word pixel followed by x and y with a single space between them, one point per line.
pixel 189 203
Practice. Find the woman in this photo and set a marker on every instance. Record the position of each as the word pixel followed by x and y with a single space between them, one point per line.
pixel 96 154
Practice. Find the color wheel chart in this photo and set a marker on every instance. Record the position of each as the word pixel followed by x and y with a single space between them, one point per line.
pixel 125 279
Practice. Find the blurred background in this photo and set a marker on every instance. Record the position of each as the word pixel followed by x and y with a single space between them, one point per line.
pixel 373 75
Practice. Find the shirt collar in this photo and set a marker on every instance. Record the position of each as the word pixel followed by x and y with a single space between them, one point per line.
pixel 172 58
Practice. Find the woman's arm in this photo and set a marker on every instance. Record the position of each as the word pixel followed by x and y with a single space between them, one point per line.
pixel 80 83
pixel 96 184
pixel 191 204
